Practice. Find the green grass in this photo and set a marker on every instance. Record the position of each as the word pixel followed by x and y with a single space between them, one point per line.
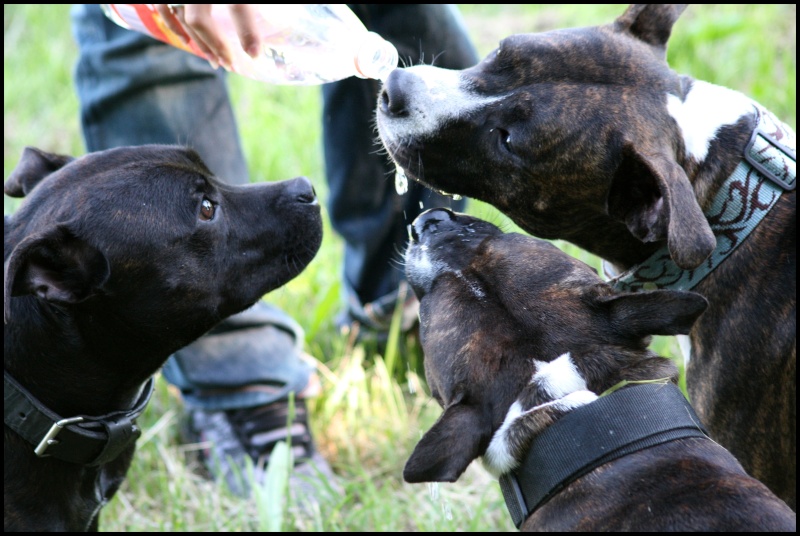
pixel 373 408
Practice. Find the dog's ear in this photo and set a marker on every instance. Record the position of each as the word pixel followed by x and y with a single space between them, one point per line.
pixel 56 266
pixel 656 312
pixel 651 23
pixel 34 165
pixel 448 448
pixel 652 196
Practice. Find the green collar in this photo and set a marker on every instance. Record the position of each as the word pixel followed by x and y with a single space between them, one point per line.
pixel 769 168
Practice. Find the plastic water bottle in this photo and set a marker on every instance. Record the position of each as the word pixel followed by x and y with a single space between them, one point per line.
pixel 303 44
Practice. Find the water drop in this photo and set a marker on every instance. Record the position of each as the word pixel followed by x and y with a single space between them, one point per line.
pixel 400 181
pixel 455 197
pixel 433 489
pixel 412 388
pixel 448 512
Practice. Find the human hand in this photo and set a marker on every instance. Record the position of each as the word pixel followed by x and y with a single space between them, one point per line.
pixel 194 22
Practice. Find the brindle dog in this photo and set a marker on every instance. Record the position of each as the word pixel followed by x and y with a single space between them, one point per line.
pixel 587 135
pixel 519 341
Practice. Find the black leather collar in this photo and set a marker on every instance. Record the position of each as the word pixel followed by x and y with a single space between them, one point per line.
pixel 81 439
pixel 625 421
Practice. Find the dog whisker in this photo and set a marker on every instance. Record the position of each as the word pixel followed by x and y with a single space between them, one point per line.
pixel 436 57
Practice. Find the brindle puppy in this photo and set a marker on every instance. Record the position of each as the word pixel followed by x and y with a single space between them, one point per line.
pixel 519 339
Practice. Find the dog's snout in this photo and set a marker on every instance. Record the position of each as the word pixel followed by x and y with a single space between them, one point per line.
pixel 394 95
pixel 303 191
pixel 428 221
pixel 412 231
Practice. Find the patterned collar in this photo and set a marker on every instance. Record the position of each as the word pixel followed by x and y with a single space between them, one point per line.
pixel 768 169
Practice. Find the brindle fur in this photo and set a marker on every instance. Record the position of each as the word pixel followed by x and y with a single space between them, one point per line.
pixel 491 304
pixel 595 158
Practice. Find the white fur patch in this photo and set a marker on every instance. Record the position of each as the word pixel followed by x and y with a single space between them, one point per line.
pixel 436 95
pixel 423 269
pixel 559 377
pixel 574 400
pixel 498 459
pixel 707 108
pixel 560 380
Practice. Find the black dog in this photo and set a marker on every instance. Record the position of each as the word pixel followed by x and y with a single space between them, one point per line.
pixel 519 340
pixel 114 261
pixel 586 135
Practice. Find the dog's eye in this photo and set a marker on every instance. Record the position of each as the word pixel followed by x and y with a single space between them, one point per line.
pixel 504 139
pixel 207 209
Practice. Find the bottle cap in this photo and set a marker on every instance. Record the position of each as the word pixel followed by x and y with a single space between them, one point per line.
pixel 376 57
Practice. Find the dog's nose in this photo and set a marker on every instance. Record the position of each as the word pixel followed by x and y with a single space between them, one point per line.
pixel 428 221
pixel 302 190
pixel 393 99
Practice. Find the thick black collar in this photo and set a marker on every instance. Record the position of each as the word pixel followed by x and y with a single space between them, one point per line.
pixel 81 439
pixel 625 421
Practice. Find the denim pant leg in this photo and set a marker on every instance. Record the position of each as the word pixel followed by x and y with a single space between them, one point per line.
pixel 134 90
pixel 364 206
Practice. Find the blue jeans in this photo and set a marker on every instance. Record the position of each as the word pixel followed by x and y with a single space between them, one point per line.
pixel 364 207
pixel 135 90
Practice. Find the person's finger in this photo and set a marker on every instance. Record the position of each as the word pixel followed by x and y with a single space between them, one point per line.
pixel 168 14
pixel 174 20
pixel 203 30
pixel 246 23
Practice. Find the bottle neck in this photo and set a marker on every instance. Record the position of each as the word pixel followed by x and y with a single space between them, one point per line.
pixel 375 58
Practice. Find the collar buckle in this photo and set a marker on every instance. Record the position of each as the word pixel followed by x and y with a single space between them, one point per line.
pixel 84 440
pixel 50 437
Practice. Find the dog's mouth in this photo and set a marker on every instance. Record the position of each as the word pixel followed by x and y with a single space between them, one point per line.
pixel 401 181
pixel 402 155
pixel 444 242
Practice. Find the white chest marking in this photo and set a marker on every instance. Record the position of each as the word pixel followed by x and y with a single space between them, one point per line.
pixel 560 380
pixel 707 108
pixel 559 377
